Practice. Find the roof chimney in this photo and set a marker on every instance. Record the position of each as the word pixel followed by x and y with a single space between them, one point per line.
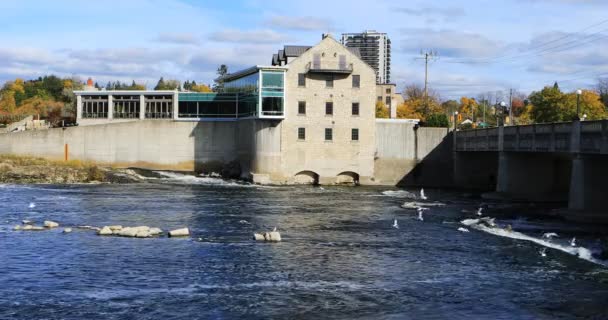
pixel 90 82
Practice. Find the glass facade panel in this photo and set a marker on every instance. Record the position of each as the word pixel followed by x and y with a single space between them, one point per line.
pixel 94 107
pixel 273 89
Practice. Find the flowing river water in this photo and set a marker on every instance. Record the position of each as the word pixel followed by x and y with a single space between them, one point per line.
pixel 340 257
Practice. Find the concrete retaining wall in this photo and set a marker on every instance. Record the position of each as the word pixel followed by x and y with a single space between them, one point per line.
pixel 409 156
pixel 150 144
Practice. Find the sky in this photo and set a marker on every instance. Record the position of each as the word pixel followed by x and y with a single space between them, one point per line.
pixel 481 45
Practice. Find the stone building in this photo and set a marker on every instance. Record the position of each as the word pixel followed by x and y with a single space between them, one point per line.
pixel 309 117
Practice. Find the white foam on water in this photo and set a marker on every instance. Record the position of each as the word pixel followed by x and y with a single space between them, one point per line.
pixel 190 179
pixel 580 252
pixel 399 194
pixel 193 289
pixel 416 204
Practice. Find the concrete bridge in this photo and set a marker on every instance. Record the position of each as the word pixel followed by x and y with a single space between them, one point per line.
pixel 554 161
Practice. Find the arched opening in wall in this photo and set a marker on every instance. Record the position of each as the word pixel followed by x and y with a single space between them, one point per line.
pixel 348 177
pixel 306 177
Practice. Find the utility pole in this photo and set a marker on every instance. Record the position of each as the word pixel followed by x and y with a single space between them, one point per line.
pixel 511 106
pixel 427 55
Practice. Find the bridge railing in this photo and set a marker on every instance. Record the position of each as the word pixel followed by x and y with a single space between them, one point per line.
pixel 584 136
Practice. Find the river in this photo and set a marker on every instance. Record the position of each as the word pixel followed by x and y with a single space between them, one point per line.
pixel 340 257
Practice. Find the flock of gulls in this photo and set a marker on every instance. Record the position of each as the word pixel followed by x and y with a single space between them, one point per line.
pixel 484 221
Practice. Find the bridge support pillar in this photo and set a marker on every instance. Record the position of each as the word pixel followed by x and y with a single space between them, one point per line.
pixel 533 176
pixel 475 170
pixel 588 184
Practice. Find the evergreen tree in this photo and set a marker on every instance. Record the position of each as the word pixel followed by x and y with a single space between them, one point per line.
pixel 160 85
pixel 219 82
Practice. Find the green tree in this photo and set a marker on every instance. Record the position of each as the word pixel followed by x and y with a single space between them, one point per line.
pixel 222 70
pixel 548 105
pixel 437 120
pixel 160 85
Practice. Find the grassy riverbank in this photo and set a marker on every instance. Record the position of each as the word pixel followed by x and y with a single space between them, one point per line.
pixel 24 169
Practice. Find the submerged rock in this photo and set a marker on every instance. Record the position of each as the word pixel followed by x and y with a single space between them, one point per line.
pixel 17 228
pixel 183 232
pixel 50 224
pixel 27 221
pixel 67 230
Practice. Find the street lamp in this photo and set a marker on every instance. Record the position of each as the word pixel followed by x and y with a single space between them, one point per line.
pixel 455 116
pixel 578 103
pixel 502 113
pixel 584 117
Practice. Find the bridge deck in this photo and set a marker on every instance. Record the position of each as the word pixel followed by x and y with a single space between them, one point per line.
pixel 568 137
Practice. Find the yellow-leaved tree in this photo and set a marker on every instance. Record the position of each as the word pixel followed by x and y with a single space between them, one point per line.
pixel 468 107
pixel 381 110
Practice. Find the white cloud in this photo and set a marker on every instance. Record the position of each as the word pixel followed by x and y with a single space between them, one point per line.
pixel 250 36
pixel 444 12
pixel 305 23
pixel 449 43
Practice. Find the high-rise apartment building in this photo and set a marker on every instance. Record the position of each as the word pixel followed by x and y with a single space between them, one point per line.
pixel 375 49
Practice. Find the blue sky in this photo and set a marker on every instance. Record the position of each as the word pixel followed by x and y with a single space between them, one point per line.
pixel 482 45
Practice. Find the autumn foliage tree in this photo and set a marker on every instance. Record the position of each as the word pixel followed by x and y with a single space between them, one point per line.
pixel 381 110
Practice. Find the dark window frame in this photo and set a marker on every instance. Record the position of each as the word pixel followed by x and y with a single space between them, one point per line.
pixel 302 80
pixel 302 133
pixel 356 81
pixel 329 108
pixel 354 134
pixel 301 107
pixel 355 108
pixel 388 90
pixel 329 82
pixel 329 134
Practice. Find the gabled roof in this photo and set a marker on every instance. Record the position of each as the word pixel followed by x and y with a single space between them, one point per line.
pixel 275 59
pixel 281 54
pixel 295 51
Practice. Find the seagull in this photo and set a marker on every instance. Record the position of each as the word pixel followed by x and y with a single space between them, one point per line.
pixel 479 211
pixel 422 196
pixel 275 229
pixel 543 252
pixel 420 214
pixel 573 242
pixel 550 235
pixel 32 205
pixel 395 224
pixel 321 188
pixel 461 229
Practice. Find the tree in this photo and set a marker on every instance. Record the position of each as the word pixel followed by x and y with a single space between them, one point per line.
pixel 200 88
pixel 222 70
pixel 160 85
pixel 408 110
pixel 602 90
pixel 590 104
pixel 381 110
pixel 548 105
pixel 187 85
pixel 468 107
pixel 437 120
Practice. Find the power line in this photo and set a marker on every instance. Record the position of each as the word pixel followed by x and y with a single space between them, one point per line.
pixel 508 57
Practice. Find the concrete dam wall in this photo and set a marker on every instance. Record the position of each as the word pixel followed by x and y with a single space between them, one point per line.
pixel 412 156
pixel 403 155
pixel 149 144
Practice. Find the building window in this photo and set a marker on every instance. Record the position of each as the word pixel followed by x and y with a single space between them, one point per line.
pixel 301 133
pixel 355 108
pixel 329 82
pixel 356 81
pixel 329 108
pixel 388 90
pixel 379 98
pixel 301 107
pixel 354 134
pixel 301 80
pixel 388 100
pixel 329 134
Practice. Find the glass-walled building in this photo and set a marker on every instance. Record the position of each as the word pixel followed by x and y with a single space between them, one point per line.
pixel 257 92
pixel 260 91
